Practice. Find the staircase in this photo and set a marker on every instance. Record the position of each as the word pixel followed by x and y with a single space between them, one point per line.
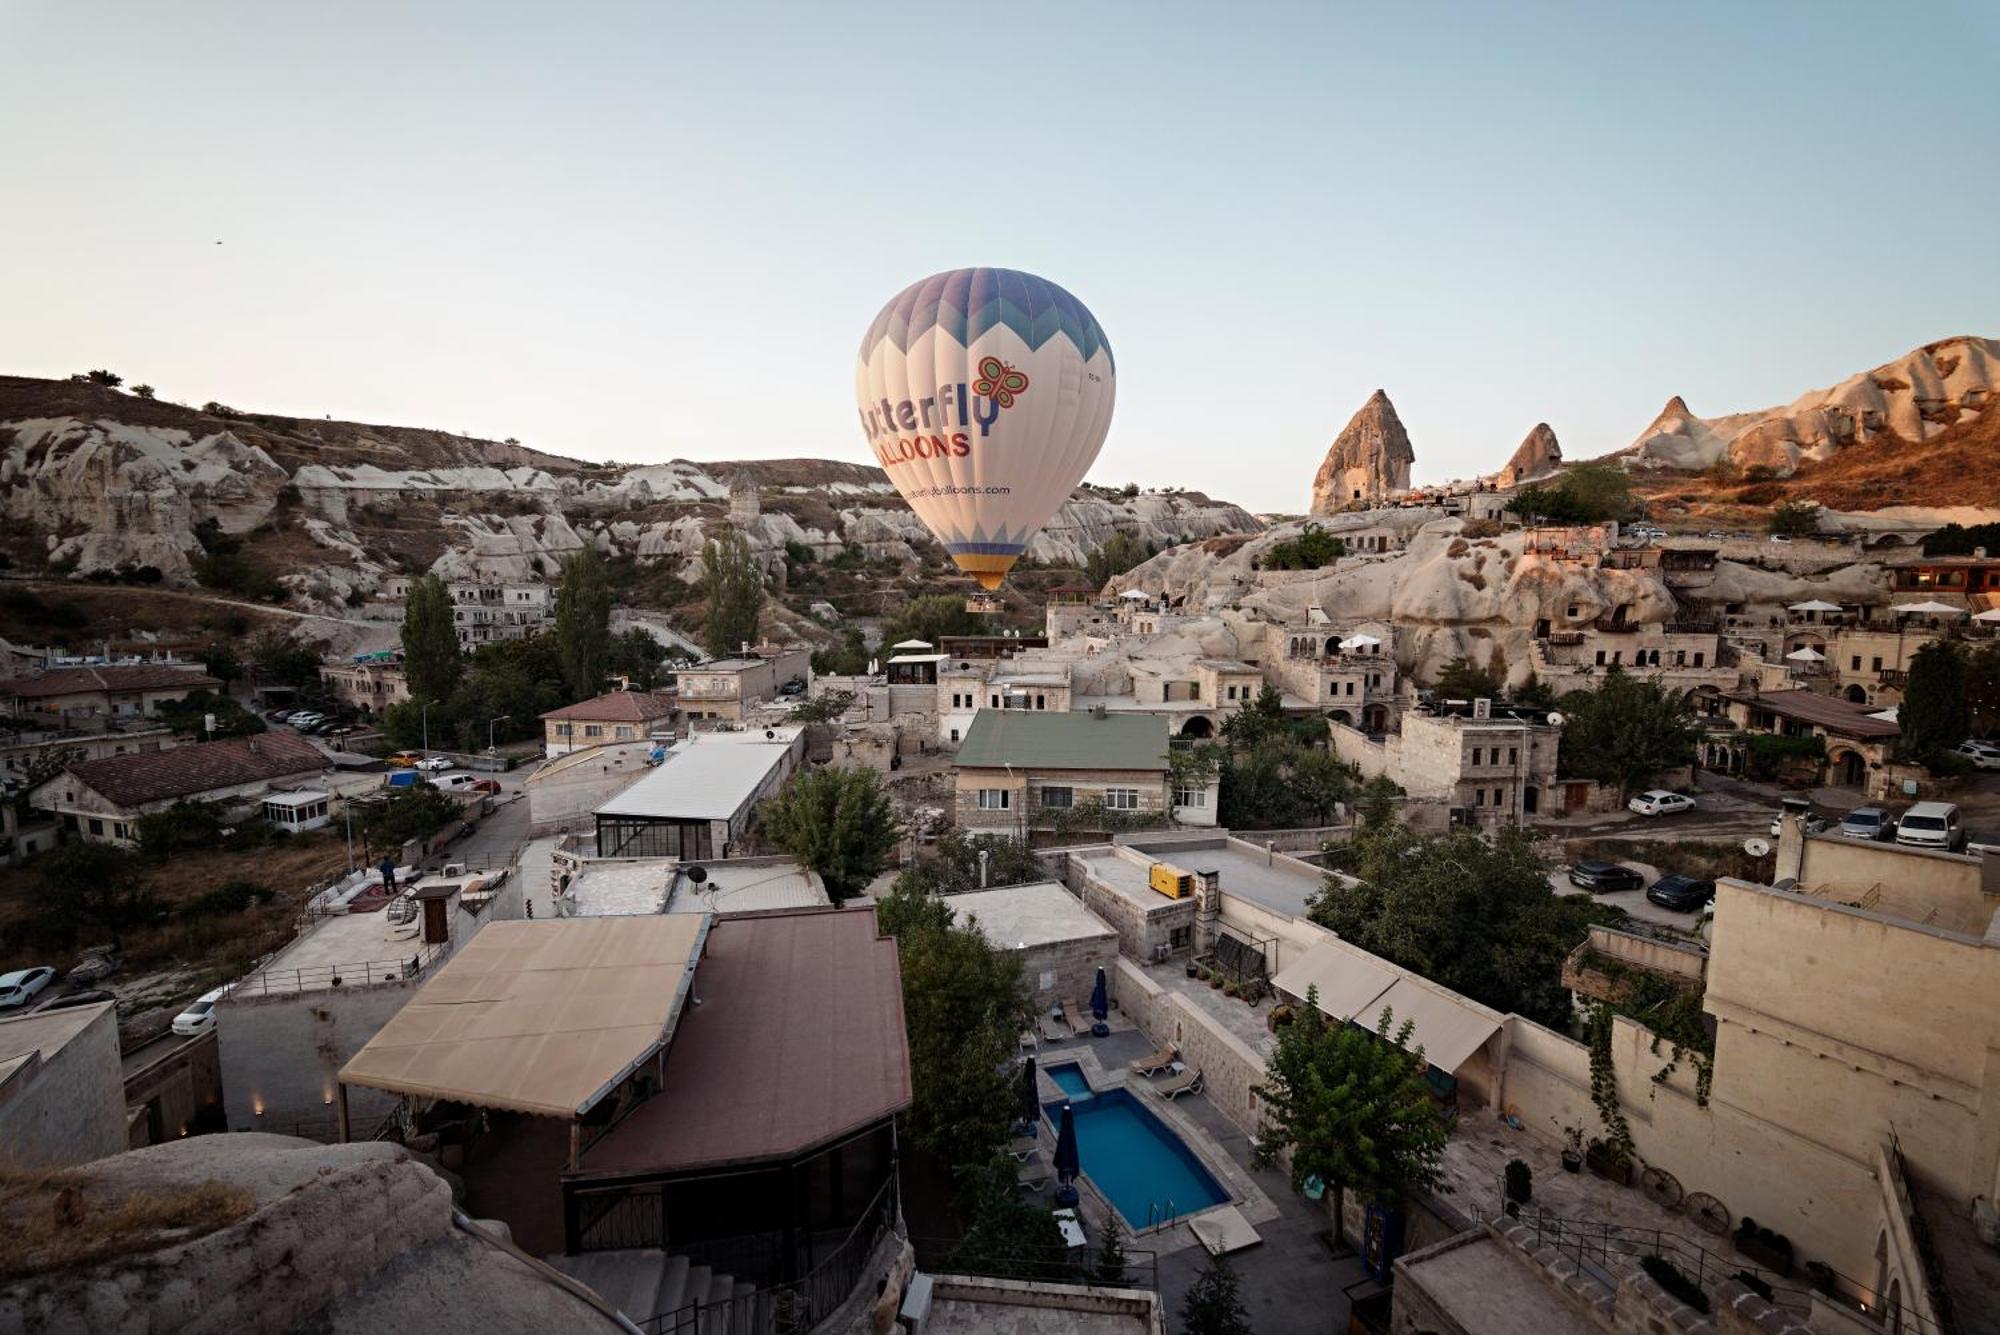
pixel 664 1294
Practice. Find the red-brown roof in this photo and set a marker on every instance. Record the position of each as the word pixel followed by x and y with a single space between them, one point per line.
pixel 797 1041
pixel 618 707
pixel 1826 711
pixel 190 771
pixel 125 677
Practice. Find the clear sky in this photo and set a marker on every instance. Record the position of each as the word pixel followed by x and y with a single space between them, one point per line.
pixel 644 231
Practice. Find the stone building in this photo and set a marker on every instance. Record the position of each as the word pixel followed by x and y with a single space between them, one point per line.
pixel 1021 770
pixel 1060 943
pixel 1487 768
pixel 62 1098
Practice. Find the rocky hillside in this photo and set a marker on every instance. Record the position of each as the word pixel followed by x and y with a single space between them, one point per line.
pixel 1906 404
pixel 94 481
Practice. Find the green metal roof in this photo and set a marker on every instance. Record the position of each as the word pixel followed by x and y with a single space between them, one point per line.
pixel 1028 739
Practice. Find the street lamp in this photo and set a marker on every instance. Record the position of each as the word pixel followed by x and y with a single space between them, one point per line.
pixel 425 715
pixel 489 730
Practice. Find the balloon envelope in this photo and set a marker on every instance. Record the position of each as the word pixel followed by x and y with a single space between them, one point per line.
pixel 985 395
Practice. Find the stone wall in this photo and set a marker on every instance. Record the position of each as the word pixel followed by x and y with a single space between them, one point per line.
pixel 282 1054
pixel 1142 929
pixel 174 1089
pixel 1065 969
pixel 565 792
pixel 70 1108
pixel 1229 1067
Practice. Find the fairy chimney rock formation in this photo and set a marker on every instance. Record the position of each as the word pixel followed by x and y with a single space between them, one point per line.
pixel 1369 460
pixel 1537 455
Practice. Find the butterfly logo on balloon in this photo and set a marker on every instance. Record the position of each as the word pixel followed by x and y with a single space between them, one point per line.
pixel 999 382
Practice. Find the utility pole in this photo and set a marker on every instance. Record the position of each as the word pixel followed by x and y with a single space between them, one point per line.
pixel 425 715
pixel 489 730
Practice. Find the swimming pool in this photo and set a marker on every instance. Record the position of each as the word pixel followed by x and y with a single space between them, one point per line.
pixel 1142 1168
pixel 1070 1079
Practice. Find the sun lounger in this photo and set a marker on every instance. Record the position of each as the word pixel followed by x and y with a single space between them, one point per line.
pixel 1052 1031
pixel 1026 1042
pixel 1021 1147
pixel 1187 1082
pixel 1033 1173
pixel 1080 1020
pixel 1155 1062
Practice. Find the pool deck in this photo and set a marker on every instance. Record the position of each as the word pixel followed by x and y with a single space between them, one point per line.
pixel 1290 1282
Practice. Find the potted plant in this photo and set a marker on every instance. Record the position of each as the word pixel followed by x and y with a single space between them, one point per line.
pixel 1767 1247
pixel 1215 980
pixel 1520 1182
pixel 1193 968
pixel 1609 1162
pixel 1280 1016
pixel 1572 1155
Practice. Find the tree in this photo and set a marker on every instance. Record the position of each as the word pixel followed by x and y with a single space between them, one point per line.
pixel 190 715
pixel 838 822
pixel 1625 732
pixel 1982 688
pixel 1795 519
pixel 930 618
pixel 1935 716
pixel 413 813
pixel 93 888
pixel 824 707
pixel 431 661
pixel 1585 494
pixel 108 379
pixel 1476 917
pixel 1111 1253
pixel 1312 549
pixel 143 391
pixel 639 657
pixel 963 1007
pixel 1351 1108
pixel 952 864
pixel 1261 721
pixel 1118 554
pixel 1213 1305
pixel 220 659
pixel 285 660
pixel 733 583
pixel 1462 679
pixel 583 622
pixel 1958 540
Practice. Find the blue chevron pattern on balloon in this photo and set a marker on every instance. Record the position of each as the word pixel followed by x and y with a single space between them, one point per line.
pixel 965 303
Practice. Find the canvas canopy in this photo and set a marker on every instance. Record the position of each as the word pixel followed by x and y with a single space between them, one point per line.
pixel 1814 605
pixel 1930 609
pixel 538 1017
pixel 1355 986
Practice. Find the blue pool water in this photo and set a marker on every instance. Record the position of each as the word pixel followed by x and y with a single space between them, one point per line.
pixel 1139 1165
pixel 1070 1079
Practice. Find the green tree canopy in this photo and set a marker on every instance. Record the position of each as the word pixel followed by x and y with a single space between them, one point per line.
pixel 431 661
pixel 95 890
pixel 583 622
pixel 1311 549
pixel 1351 1107
pixel 951 865
pixel 639 657
pixel 1935 715
pixel 1795 519
pixel 1462 679
pixel 1120 552
pixel 733 584
pixel 1479 918
pixel 1214 1304
pixel 838 822
pixel 1626 731
pixel 1584 494
pixel 1960 540
pixel 930 617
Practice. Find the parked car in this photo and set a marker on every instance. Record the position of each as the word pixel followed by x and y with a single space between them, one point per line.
pixel 278 715
pixel 434 764
pixel 200 1017
pixel 1931 825
pixel 344 730
pixel 1601 878
pixel 1867 823
pixel 304 716
pixel 483 786
pixel 1682 894
pixel 22 986
pixel 1983 755
pixel 93 966
pixel 404 759
pixel 796 686
pixel 453 783
pixel 1781 539
pixel 1812 822
pixel 1660 802
pixel 89 998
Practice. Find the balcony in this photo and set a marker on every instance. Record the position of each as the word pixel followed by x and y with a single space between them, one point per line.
pixel 1612 625
pixel 1897 677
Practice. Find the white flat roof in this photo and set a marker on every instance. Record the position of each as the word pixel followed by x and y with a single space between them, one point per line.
pixel 298 797
pixel 734 887
pixel 1040 913
pixel 703 780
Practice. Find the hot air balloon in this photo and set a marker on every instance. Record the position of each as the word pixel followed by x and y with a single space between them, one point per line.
pixel 985 395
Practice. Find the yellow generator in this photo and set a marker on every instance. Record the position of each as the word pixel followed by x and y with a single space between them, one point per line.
pixel 1171 881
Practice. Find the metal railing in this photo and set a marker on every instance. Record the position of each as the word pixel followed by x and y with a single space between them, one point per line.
pixel 323 977
pixel 1596 1246
pixel 1139 1268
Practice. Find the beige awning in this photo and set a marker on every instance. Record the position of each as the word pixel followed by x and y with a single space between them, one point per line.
pixel 1448 1027
pixel 1348 979
pixel 538 1017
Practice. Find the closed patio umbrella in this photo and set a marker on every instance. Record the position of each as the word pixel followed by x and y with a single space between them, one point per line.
pixel 1100 996
pixel 1031 1104
pixel 1068 1164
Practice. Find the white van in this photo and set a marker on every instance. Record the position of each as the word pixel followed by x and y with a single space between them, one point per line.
pixel 456 782
pixel 1931 825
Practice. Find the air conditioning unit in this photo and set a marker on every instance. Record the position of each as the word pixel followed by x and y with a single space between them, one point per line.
pixel 1161 952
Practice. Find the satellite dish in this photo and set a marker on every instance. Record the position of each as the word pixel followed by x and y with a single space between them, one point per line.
pixel 1555 719
pixel 698 874
pixel 1756 846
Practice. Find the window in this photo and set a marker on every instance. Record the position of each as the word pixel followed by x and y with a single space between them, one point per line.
pixel 1499 797
pixel 121 830
pixel 1600 658
pixel 1878 664
pixel 1040 703
pixel 995 799
pixel 1180 938
pixel 1476 753
pixel 96 826
pixel 1697 658
pixel 623 732
pixel 1121 799
pixel 593 729
pixel 1574 609
pixel 1190 797
pixel 1350 688
pixel 1479 797
pixel 564 729
pixel 1231 694
pixel 1194 690
pixel 996 701
pixel 1854 663
pixel 954 734
pixel 1513 755
pixel 1058 799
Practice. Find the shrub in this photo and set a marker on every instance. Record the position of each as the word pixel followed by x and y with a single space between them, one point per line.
pixel 1312 549
pixel 1665 1274
pixel 1520 1181
pixel 229 897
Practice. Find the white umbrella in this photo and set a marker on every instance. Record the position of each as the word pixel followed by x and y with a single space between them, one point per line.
pixel 1814 605
pixel 1990 614
pixel 1359 642
pixel 1135 594
pixel 1888 715
pixel 1805 653
pixel 911 644
pixel 1927 609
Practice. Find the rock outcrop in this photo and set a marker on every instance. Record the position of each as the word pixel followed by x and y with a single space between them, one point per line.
pixel 1368 462
pixel 1537 456
pixel 1912 399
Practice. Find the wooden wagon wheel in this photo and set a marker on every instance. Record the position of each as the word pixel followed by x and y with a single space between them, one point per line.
pixel 1661 1187
pixel 1707 1211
